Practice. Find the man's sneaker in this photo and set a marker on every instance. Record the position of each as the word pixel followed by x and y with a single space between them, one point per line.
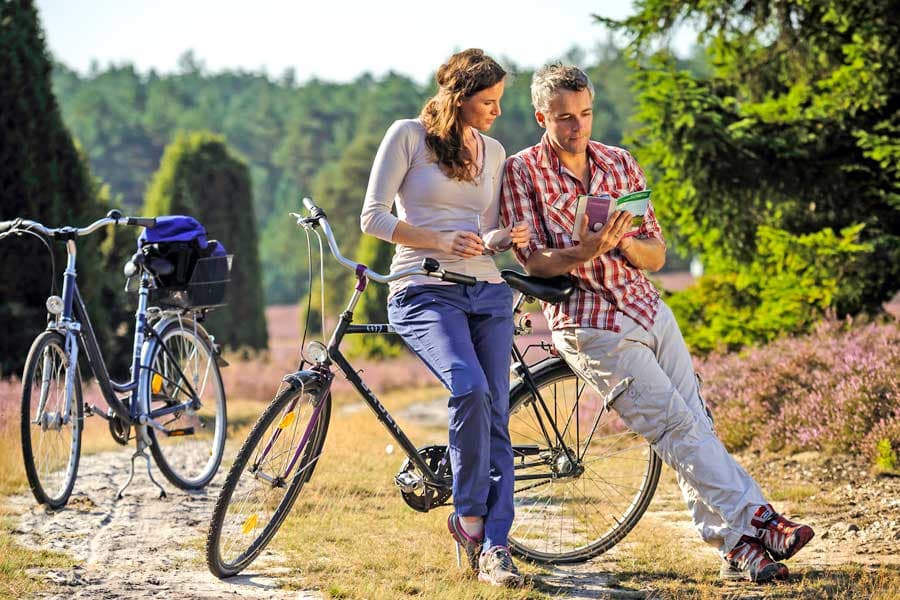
pixel 496 567
pixel 748 560
pixel 781 538
pixel 470 545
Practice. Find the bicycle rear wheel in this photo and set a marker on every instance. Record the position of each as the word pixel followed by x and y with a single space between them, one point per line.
pixel 182 364
pixel 50 435
pixel 270 469
pixel 573 507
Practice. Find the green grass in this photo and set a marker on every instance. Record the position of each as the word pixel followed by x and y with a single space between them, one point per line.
pixel 350 534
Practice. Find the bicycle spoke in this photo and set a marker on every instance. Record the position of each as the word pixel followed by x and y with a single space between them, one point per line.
pixel 588 505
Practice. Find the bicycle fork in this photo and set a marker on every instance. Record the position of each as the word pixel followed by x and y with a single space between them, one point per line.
pixel 55 421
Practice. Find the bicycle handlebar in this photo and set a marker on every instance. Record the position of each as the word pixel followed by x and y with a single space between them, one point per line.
pixel 430 267
pixel 113 217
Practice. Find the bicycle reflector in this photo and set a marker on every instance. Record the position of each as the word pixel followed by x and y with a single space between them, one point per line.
pixel 250 524
pixel 54 305
pixel 156 383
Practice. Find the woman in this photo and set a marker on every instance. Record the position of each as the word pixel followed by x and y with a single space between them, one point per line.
pixel 445 176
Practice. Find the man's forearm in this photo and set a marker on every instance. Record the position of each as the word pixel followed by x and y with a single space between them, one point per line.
pixel 550 262
pixel 648 254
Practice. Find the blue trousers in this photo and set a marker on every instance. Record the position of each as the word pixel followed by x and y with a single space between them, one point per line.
pixel 464 335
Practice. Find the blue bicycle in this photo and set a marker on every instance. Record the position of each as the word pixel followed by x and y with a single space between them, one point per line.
pixel 174 401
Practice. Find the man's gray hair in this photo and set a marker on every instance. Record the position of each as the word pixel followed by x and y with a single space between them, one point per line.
pixel 553 77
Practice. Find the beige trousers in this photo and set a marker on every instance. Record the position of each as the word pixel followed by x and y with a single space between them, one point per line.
pixel 663 404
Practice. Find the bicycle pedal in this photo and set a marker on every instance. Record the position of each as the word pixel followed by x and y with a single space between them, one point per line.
pixel 180 432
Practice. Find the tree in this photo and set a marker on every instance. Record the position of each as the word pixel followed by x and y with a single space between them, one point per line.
pixel 795 129
pixel 42 177
pixel 198 176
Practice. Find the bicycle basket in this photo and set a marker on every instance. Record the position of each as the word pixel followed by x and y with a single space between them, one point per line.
pixel 206 286
pixel 201 270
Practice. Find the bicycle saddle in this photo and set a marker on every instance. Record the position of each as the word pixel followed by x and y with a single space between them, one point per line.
pixel 154 264
pixel 549 289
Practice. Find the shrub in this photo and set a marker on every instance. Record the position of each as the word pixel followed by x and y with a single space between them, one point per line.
pixel 885 457
pixel 792 284
pixel 836 389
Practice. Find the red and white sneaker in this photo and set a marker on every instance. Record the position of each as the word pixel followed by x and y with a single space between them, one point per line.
pixel 781 538
pixel 748 560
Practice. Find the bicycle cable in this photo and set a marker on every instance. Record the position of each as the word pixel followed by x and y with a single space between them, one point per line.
pixel 46 244
pixel 309 294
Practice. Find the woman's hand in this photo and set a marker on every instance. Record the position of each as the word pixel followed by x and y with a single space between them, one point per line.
pixel 519 234
pixel 460 243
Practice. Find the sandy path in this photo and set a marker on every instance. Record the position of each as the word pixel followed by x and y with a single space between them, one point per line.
pixel 140 546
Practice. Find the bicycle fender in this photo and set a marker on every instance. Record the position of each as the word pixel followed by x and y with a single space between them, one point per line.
pixel 537 371
pixel 305 379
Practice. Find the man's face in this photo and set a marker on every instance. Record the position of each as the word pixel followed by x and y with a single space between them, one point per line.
pixel 568 121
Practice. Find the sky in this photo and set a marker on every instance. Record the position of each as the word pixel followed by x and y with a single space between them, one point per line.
pixel 332 40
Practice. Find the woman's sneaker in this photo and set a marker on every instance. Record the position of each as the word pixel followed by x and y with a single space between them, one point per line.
pixel 496 567
pixel 749 561
pixel 470 545
pixel 782 538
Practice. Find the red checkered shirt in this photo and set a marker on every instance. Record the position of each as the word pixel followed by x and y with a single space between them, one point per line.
pixel 539 190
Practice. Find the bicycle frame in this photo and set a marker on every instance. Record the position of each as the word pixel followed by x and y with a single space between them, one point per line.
pixel 345 326
pixel 75 324
pixel 334 355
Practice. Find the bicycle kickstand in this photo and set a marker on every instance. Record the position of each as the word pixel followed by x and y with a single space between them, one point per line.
pixel 140 452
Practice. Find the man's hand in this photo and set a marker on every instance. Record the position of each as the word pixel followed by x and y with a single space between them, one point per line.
pixel 460 243
pixel 596 243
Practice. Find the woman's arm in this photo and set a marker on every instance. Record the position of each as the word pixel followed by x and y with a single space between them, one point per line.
pixel 496 237
pixel 392 161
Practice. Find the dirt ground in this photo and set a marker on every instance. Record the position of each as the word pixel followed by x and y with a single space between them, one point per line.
pixel 141 546
pixel 145 547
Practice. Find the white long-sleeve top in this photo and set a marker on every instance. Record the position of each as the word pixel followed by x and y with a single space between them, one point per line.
pixel 405 172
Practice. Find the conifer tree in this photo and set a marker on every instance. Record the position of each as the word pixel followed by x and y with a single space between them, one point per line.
pixel 43 178
pixel 198 176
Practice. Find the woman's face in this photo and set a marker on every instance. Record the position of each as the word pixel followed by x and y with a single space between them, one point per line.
pixel 480 109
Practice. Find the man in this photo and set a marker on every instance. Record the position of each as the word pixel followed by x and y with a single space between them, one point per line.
pixel 617 333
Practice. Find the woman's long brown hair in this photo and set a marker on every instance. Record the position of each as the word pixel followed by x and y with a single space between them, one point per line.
pixel 464 75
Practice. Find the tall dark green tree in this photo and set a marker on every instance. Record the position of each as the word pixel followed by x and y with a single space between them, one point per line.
pixel 198 176
pixel 782 163
pixel 42 177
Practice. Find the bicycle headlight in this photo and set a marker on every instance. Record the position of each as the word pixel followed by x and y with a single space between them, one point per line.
pixel 317 351
pixel 54 305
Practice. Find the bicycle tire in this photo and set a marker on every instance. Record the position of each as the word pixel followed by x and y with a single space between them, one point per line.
pixel 223 566
pixel 51 479
pixel 557 520
pixel 187 461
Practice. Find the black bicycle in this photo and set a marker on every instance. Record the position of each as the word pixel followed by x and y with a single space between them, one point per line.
pixel 174 402
pixel 583 480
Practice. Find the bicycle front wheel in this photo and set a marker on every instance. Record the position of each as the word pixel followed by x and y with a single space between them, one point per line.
pixel 270 469
pixel 183 370
pixel 575 500
pixel 50 432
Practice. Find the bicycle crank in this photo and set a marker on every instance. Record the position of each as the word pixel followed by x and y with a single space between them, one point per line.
pixel 420 494
pixel 119 430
